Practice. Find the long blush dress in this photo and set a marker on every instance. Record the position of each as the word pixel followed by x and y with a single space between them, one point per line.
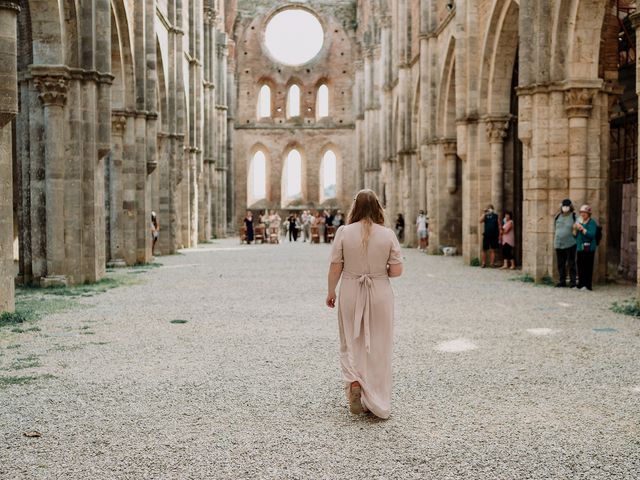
pixel 365 312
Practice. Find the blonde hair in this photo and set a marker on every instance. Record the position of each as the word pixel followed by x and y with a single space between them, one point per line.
pixel 366 208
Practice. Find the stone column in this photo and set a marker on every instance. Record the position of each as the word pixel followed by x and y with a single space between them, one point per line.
pixel 578 103
pixel 451 159
pixel 53 95
pixel 8 111
pixel 497 131
pixel 635 21
pixel 116 189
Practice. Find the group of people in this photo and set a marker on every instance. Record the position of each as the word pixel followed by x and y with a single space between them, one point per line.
pixel 422 229
pixel 295 225
pixel 498 235
pixel 576 240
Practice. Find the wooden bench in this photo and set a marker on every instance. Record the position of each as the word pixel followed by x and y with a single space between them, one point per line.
pixel 274 234
pixel 315 234
pixel 331 233
pixel 258 234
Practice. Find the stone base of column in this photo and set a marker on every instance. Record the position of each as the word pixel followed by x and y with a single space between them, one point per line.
pixel 117 263
pixel 54 281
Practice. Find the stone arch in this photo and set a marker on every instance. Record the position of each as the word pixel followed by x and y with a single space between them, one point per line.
pixel 294 82
pixel 47 31
pixel 446 116
pixel 122 90
pixel 330 147
pixel 258 147
pixel 576 39
pixel 161 87
pixel 498 58
pixel 260 84
pixel 285 200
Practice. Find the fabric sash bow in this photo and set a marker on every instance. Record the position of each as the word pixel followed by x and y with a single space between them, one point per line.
pixel 363 304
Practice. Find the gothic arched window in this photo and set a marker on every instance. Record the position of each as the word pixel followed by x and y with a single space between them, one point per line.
pixel 293 101
pixel 329 175
pixel 264 102
pixel 322 101
pixel 293 175
pixel 257 181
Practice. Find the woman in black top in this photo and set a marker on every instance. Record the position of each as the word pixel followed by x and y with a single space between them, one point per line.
pixel 400 227
pixel 248 223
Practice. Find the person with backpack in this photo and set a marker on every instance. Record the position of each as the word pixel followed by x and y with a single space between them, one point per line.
pixel 490 236
pixel 565 243
pixel 586 231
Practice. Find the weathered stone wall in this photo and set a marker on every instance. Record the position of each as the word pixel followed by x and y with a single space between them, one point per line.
pixel 436 119
pixel 277 135
pixel 122 112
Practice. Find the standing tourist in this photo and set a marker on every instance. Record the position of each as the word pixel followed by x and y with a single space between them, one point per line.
pixel 306 225
pixel 365 254
pixel 422 226
pixel 400 227
pixel 565 243
pixel 338 219
pixel 248 223
pixel 585 231
pixel 155 232
pixel 508 241
pixel 321 221
pixel 293 227
pixel 491 235
pixel 274 227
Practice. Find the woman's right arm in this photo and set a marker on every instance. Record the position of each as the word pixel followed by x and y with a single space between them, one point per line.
pixel 335 271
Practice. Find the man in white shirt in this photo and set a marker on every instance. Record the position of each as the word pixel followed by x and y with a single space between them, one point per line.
pixel 422 226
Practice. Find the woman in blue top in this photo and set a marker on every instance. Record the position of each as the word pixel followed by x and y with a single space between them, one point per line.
pixel 585 232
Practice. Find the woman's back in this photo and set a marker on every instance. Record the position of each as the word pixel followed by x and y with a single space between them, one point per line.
pixel 382 248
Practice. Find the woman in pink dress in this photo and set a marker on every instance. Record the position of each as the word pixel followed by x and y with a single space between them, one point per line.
pixel 365 254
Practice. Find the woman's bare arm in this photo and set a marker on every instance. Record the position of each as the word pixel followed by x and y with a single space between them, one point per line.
pixel 394 270
pixel 335 271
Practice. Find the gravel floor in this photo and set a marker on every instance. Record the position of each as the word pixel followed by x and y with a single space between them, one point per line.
pixel 493 378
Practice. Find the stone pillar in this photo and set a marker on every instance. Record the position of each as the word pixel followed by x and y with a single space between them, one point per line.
pixel 635 21
pixel 53 95
pixel 116 192
pixel 8 111
pixel 497 131
pixel 451 160
pixel 578 103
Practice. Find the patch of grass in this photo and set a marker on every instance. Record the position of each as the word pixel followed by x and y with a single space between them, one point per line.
pixel 475 262
pixel 25 330
pixel 87 332
pixel 67 348
pixel 88 289
pixel 14 318
pixel 547 281
pixel 15 345
pixel 630 307
pixel 178 321
pixel 98 343
pixel 526 278
pixel 14 380
pixel 30 361
pixel 147 266
pixel 7 381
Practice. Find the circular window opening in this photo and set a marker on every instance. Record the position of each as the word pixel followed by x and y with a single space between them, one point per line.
pixel 294 36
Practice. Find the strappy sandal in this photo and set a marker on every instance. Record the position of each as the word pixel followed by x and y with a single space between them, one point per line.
pixel 355 402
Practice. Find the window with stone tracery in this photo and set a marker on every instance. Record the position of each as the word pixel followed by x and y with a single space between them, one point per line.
pixel 257 181
pixel 328 175
pixel 264 102
pixel 293 101
pixel 322 101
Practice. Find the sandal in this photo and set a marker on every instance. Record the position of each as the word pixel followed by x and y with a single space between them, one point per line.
pixel 355 403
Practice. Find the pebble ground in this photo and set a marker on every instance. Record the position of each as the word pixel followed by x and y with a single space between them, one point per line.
pixel 493 378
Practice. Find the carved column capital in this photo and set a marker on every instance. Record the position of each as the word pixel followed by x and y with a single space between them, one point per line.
pixel 578 101
pixel 635 20
pixel 10 5
pixel 210 15
pixel 53 90
pixel 497 129
pixel 450 147
pixel 118 123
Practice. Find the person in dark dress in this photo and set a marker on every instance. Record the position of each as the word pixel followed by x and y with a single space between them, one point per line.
pixel 248 223
pixel 400 227
pixel 293 228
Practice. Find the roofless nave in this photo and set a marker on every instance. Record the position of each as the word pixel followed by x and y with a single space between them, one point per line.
pixel 112 109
